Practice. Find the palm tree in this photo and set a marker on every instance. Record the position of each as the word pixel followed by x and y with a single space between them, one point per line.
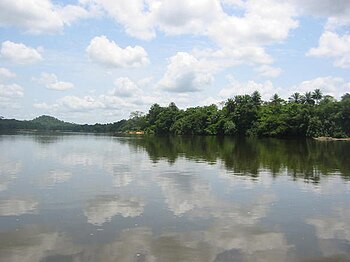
pixel 317 95
pixel 308 99
pixel 296 98
pixel 276 100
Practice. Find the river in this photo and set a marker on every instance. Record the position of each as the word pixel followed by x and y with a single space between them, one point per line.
pixel 83 197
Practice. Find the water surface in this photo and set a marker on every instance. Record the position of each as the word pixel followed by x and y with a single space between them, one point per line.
pixel 70 197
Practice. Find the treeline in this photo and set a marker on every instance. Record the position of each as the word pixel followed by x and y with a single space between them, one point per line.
pixel 307 115
pixel 302 115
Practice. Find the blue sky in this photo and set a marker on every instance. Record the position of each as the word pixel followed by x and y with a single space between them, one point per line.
pixel 93 61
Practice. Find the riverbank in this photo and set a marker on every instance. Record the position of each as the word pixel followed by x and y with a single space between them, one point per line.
pixel 327 138
pixel 136 132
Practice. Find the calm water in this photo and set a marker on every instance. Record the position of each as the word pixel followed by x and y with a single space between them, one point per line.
pixel 102 198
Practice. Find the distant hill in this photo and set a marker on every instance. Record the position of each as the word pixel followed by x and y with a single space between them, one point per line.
pixel 40 123
pixel 49 123
pixel 47 119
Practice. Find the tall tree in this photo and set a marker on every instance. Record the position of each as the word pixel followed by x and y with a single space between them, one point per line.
pixel 276 99
pixel 308 99
pixel 317 95
pixel 295 98
pixel 256 98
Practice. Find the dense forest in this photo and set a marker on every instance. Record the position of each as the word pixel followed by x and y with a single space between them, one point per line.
pixel 303 115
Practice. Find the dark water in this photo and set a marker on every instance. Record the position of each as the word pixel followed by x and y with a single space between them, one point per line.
pixel 101 198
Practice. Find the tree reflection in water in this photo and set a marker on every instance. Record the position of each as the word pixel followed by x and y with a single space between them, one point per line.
pixel 304 158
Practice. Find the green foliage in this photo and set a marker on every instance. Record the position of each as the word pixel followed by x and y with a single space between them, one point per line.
pixel 272 119
pixel 137 122
pixel 196 121
pixel 166 119
pixel 230 128
pixel 241 114
pixel 344 114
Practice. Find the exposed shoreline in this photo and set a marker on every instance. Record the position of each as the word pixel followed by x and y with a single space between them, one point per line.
pixel 328 138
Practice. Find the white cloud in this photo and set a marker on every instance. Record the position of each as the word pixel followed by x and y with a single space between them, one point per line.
pixel 125 88
pixel 5 73
pixel 334 86
pixel 334 46
pixel 86 103
pixel 44 106
pixel 324 7
pixel 9 94
pixel 132 14
pixel 264 22
pixel 50 81
pixel 242 38
pixel 185 73
pixel 228 57
pixel 235 3
pixel 80 103
pixel 40 16
pixel 11 91
pixel 185 17
pixel 20 53
pixel 337 12
pixel 145 81
pixel 34 15
pixel 73 104
pixel 108 53
pixel 72 13
pixel 127 96
pixel 269 71
pixel 335 22
pixel 266 89
pixel 331 44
